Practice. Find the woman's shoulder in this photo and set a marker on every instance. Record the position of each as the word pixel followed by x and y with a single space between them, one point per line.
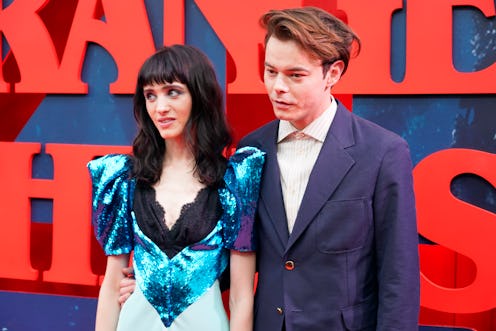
pixel 110 166
pixel 244 168
pixel 242 178
pixel 247 154
pixel 116 161
pixel 111 204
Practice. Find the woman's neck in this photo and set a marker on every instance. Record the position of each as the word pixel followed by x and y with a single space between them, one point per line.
pixel 178 153
pixel 178 169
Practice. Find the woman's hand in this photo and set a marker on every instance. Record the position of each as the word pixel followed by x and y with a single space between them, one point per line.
pixel 127 285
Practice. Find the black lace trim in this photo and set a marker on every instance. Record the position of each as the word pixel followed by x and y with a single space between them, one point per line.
pixel 196 220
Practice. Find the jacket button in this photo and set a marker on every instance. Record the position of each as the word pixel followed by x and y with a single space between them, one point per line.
pixel 279 310
pixel 289 265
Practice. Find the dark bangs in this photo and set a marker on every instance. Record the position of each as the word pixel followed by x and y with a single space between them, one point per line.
pixel 165 67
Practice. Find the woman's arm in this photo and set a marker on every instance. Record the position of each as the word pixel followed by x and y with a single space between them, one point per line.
pixel 241 291
pixel 108 308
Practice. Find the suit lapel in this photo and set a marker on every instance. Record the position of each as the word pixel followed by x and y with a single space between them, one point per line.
pixel 270 191
pixel 331 166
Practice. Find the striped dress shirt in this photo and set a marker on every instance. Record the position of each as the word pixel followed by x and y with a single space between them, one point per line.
pixel 297 151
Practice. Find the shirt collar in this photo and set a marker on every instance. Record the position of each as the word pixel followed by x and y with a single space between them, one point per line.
pixel 317 129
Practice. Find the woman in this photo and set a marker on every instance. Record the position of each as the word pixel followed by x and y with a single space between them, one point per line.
pixel 178 205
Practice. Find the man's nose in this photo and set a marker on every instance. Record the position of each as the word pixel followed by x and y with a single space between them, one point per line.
pixel 280 83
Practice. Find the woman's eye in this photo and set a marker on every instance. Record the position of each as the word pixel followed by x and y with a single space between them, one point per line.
pixel 173 93
pixel 149 96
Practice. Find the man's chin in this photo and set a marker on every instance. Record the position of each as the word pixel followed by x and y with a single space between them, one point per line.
pixel 282 115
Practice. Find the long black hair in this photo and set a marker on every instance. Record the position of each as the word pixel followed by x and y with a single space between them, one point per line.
pixel 207 132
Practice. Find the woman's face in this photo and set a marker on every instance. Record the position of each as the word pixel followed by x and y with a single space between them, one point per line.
pixel 169 107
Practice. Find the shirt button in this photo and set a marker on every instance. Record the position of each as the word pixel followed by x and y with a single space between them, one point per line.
pixel 279 310
pixel 289 265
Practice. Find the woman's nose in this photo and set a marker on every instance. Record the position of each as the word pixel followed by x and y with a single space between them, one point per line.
pixel 163 104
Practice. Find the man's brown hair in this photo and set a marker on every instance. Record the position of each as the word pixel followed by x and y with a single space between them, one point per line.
pixel 318 32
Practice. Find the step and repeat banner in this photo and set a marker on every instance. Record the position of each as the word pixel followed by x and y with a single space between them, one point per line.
pixel 68 69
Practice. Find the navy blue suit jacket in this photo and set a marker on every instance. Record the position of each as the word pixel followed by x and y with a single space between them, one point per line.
pixel 353 253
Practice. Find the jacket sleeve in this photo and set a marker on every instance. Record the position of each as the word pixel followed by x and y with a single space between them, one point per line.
pixel 111 203
pixel 396 242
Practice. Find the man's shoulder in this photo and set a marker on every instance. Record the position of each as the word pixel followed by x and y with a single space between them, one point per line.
pixel 261 135
pixel 371 130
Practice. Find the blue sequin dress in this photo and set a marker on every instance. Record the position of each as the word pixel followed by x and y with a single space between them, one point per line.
pixel 181 291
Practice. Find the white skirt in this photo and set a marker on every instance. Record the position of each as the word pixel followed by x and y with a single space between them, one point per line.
pixel 206 314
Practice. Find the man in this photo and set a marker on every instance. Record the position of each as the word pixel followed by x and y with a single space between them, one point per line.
pixel 336 226
pixel 337 237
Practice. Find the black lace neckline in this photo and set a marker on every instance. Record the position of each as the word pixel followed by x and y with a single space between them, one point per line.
pixel 196 220
pixel 184 208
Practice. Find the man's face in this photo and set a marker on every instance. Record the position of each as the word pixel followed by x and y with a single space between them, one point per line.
pixel 296 86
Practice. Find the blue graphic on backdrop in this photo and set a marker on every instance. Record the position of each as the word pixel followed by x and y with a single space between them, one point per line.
pixel 433 123
pixel 429 123
pixel 98 118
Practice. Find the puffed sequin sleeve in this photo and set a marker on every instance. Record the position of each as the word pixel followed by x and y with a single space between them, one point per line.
pixel 242 179
pixel 111 203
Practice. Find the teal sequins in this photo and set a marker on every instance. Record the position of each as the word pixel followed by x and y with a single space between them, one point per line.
pixel 172 284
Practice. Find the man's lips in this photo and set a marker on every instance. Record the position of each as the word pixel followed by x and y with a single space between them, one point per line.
pixel 281 104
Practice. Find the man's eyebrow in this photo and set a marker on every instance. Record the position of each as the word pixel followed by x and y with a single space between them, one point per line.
pixel 297 68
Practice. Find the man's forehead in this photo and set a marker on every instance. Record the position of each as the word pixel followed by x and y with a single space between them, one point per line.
pixel 289 58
